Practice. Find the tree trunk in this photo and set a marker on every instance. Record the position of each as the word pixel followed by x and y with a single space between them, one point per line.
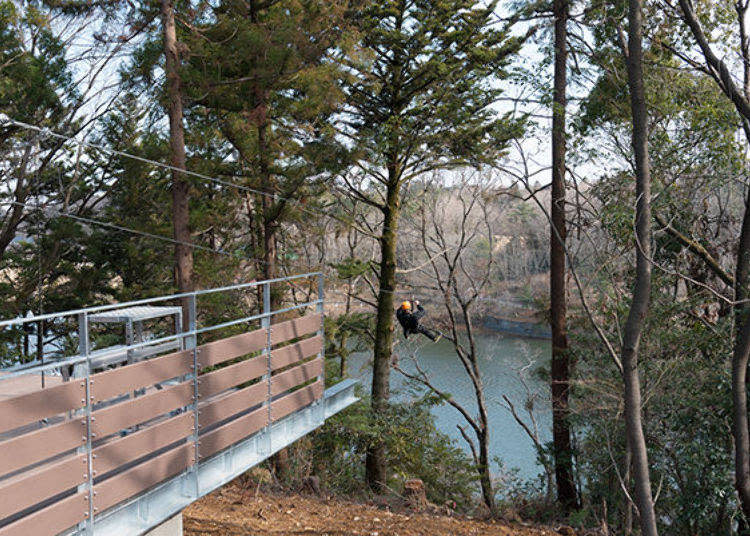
pixel 488 493
pixel 344 353
pixel 740 356
pixel 560 373
pixel 741 350
pixel 40 345
pixel 642 288
pixel 180 188
pixel 280 460
pixel 8 231
pixel 375 465
pixel 628 511
pixel 15 213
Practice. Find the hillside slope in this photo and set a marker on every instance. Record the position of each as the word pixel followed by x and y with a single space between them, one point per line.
pixel 233 510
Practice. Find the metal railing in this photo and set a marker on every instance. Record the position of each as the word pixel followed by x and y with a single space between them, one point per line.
pixel 73 450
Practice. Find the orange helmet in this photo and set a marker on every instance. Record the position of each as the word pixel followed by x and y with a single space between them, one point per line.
pixel 406 305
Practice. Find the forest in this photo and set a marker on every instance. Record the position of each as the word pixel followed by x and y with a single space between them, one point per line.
pixel 579 165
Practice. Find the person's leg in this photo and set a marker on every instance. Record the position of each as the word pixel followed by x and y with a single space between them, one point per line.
pixel 426 332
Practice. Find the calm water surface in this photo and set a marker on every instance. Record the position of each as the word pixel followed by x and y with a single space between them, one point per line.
pixel 505 360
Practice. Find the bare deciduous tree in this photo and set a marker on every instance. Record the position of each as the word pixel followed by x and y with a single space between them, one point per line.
pixel 461 276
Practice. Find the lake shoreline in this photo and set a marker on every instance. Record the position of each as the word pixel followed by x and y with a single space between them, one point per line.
pixel 531 330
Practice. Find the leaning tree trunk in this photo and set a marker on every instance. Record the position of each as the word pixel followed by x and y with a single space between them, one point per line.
pixel 741 350
pixel 642 288
pixel 375 464
pixel 180 187
pixel 560 371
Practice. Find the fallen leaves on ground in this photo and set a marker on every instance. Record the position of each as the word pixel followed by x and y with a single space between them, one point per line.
pixel 233 510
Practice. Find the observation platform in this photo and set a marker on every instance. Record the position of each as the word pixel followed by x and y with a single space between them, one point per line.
pixel 124 450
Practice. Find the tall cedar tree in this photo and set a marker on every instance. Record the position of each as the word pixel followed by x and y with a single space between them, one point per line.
pixel 419 99
pixel 561 359
pixel 260 73
pixel 183 251
pixel 142 18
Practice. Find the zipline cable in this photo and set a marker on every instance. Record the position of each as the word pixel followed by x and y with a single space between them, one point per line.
pixel 92 221
pixel 5 120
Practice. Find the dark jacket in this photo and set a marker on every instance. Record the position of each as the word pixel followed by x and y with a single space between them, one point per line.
pixel 410 320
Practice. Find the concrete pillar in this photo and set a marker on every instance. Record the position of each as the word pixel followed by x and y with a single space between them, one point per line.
pixel 171 527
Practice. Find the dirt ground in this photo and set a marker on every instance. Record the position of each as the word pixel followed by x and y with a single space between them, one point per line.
pixel 233 510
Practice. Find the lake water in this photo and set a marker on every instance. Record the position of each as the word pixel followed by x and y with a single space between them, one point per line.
pixel 505 360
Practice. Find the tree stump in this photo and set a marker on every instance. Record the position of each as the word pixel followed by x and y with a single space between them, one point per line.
pixel 415 494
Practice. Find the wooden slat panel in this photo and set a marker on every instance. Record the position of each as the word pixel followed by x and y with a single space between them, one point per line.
pixel 298 327
pixel 23 409
pixel 233 432
pixel 222 379
pixel 298 351
pixel 137 410
pixel 111 383
pixel 296 376
pixel 50 520
pixel 41 444
pixel 223 350
pixel 142 477
pixel 131 447
pixel 226 406
pixel 296 400
pixel 32 487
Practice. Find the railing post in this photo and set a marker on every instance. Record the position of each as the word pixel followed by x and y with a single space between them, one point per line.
pixel 320 308
pixel 266 324
pixel 191 342
pixel 129 341
pixel 85 376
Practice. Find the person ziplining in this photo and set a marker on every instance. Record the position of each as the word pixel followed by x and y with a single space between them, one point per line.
pixel 409 320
